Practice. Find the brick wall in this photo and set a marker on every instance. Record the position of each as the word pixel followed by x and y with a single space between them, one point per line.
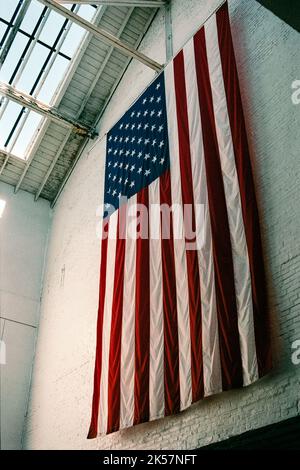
pixel 59 412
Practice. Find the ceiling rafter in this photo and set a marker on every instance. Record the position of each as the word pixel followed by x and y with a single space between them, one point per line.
pixel 44 109
pixel 103 35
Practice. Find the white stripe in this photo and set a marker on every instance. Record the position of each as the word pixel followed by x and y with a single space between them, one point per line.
pixel 156 376
pixel 210 335
pixel 110 271
pixel 234 208
pixel 182 291
pixel 128 322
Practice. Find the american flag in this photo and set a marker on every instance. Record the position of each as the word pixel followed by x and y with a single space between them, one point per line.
pixel 177 324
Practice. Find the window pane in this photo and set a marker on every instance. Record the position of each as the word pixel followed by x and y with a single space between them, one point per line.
pixel 56 74
pixel 26 135
pixel 33 67
pixel 72 40
pixel 33 13
pixel 2 30
pixel 52 28
pixel 13 57
pixel 7 8
pixel 87 12
pixel 7 121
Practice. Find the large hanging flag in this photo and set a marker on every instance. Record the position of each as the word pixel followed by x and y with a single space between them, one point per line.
pixel 182 305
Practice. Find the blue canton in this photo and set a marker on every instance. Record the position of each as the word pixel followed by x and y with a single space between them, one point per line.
pixel 137 150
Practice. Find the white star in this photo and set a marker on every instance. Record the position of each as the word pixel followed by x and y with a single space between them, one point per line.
pixel 161 144
pixel 127 153
pixel 144 100
pixel 109 163
pixel 154 159
pixel 138 114
pixel 153 142
pixel 132 184
pixel 126 181
pixel 146 112
pixel 114 192
pixel 140 170
pixel 115 165
pixel 140 140
pixel 160 128
pixel 151 99
pixel 127 166
pixel 159 113
pixel 115 152
pixel 133 153
pixel 133 139
pixel 158 99
pixel 121 139
pixel 127 125
pixel 147 172
pixel 147 156
pixel 121 126
pixel 127 139
pixel 139 126
pixel 152 113
pixel 114 178
pixel 147 141
pixel 158 86
pixel 132 114
pixel 153 127
pixel 116 138
pixel 133 126
pixel 132 168
pixel 120 180
pixel 121 165
pixel 146 126
pixel 109 176
pixel 161 161
pixel 139 154
pixel 121 151
pixel 108 192
pixel 109 150
pixel 110 137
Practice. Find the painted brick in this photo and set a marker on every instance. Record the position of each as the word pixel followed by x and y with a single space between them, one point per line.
pixel 58 417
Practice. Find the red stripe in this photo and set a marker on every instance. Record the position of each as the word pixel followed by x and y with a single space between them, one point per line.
pixel 142 317
pixel 113 420
pixel 248 199
pixel 188 203
pixel 171 349
pixel 98 361
pixel 224 276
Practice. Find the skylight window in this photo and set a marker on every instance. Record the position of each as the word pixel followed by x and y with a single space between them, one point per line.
pixel 37 63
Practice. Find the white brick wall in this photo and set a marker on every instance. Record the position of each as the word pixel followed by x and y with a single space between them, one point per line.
pixel 266 51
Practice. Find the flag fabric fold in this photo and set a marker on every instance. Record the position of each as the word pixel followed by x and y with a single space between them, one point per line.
pixel 182 300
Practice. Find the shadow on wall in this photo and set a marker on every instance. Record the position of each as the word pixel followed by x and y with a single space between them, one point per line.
pixel 286 10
